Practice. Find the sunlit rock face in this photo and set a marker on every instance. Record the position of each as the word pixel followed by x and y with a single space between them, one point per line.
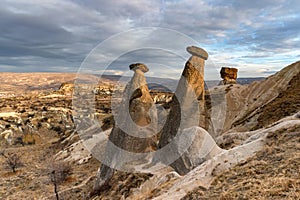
pixel 134 130
pixel 229 75
pixel 186 107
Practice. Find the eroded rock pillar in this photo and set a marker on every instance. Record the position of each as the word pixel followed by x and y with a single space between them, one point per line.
pixel 229 75
pixel 186 107
pixel 134 130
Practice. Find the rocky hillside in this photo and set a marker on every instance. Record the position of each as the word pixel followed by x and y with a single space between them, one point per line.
pixel 14 84
pixel 254 129
pixel 249 107
pixel 273 173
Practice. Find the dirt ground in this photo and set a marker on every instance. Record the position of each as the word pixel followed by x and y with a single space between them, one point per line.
pixel 31 181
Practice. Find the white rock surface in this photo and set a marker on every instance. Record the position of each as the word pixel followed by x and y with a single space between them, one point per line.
pixel 203 175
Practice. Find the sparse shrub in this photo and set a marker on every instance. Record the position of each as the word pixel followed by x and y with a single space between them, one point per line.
pixel 44 119
pixel 28 138
pixel 108 122
pixel 30 115
pixel 39 125
pixel 27 121
pixel 22 110
pixel 45 108
pixel 58 172
pixel 58 129
pixel 13 161
pixel 19 140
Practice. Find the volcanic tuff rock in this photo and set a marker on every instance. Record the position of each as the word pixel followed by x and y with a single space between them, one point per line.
pixel 66 88
pixel 103 88
pixel 186 106
pixel 196 51
pixel 203 175
pixel 250 156
pixel 134 130
pixel 201 148
pixel 272 171
pixel 248 107
pixel 229 75
pixel 16 84
pixel 139 66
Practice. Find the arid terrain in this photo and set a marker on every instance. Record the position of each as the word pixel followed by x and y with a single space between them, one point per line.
pixel 37 125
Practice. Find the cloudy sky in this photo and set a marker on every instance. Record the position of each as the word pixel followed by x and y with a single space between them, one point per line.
pixel 257 37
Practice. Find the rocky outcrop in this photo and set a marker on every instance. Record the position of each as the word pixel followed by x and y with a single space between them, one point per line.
pixel 202 148
pixel 8 135
pixel 161 97
pixel 250 105
pixel 203 175
pixel 285 104
pixel 100 89
pixel 134 130
pixel 66 88
pixel 229 75
pixel 186 106
pixel 234 139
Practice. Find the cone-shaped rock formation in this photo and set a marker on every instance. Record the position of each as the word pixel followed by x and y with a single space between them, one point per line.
pixel 186 108
pixel 134 132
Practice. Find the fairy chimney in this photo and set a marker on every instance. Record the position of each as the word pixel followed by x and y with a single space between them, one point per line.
pixel 187 106
pixel 134 130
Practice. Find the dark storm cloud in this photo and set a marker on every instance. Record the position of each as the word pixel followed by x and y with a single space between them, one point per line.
pixel 22 34
pixel 39 41
pixel 59 31
pixel 58 34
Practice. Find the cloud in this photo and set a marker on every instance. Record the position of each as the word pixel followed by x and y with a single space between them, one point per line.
pixel 49 35
pixel 267 71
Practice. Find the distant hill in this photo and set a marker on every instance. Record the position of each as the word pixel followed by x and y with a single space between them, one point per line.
pixel 14 84
pixel 17 83
pixel 242 81
pixel 167 84
pixel 246 81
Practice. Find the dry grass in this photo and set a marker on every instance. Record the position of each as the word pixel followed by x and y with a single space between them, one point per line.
pixel 273 173
pixel 31 181
pixel 286 104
